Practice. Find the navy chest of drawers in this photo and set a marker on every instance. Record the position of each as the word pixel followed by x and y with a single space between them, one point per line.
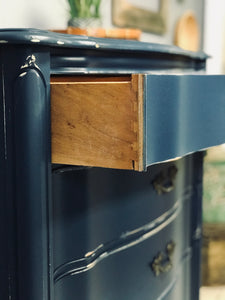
pixel 95 203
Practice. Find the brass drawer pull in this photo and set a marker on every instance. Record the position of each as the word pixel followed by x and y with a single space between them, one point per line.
pixel 164 182
pixel 162 263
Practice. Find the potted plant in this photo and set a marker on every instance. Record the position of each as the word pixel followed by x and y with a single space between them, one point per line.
pixel 84 13
pixel 85 19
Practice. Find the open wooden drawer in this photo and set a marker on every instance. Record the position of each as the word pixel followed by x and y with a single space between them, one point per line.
pixel 132 121
pixel 98 121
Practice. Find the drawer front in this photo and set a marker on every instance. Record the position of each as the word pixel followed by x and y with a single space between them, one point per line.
pixel 135 271
pixel 184 114
pixel 95 206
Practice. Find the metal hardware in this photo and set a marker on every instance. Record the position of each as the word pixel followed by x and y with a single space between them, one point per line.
pixel 164 182
pixel 162 263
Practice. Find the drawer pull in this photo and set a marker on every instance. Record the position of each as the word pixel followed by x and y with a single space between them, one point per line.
pixel 162 263
pixel 165 181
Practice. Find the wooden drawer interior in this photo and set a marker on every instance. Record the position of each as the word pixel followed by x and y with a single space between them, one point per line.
pixel 97 121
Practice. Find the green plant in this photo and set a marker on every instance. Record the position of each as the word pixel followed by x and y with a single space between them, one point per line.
pixel 84 8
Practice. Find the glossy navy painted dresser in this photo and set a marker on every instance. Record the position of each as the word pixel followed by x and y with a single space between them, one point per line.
pixel 102 146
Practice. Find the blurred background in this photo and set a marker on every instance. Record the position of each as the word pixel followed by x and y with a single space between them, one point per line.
pixel 190 24
pixel 206 15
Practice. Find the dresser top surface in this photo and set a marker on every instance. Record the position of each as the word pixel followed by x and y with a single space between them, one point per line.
pixel 33 36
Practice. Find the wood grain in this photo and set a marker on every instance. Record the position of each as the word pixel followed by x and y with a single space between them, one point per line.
pixel 97 121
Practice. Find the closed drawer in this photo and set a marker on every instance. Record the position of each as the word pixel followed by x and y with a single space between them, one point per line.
pixel 131 122
pixel 124 269
pixel 94 206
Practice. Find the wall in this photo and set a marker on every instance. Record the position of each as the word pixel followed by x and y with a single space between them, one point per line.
pixel 214 39
pixel 53 14
pixel 33 13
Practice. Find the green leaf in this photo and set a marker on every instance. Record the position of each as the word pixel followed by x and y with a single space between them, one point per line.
pixel 84 8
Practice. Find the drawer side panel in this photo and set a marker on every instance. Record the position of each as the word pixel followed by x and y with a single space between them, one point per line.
pixel 95 122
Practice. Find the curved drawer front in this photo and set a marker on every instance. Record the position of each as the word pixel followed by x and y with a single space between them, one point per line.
pixel 129 267
pixel 94 206
pixel 184 114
